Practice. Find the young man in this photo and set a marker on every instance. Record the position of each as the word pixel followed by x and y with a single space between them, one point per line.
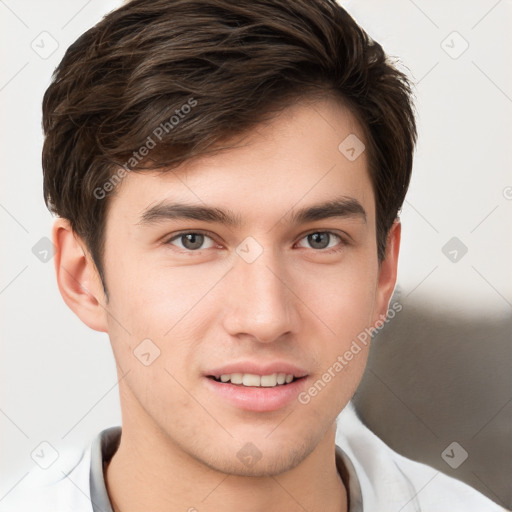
pixel 227 177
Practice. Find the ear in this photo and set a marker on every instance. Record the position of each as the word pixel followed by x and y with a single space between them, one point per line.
pixel 388 272
pixel 78 278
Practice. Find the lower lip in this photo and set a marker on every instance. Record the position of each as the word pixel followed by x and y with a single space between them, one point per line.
pixel 258 399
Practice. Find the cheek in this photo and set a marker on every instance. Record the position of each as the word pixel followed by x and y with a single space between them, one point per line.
pixel 157 299
pixel 341 303
pixel 161 314
pixel 341 353
pixel 342 298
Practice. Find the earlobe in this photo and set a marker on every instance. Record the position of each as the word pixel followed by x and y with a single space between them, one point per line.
pixel 388 271
pixel 77 277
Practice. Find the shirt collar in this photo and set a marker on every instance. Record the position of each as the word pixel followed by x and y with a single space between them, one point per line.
pixel 103 448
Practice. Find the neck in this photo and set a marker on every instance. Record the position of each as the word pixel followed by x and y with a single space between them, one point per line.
pixel 150 472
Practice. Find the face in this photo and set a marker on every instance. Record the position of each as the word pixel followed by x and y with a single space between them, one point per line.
pixel 261 281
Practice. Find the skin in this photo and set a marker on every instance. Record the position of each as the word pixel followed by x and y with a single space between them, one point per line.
pixel 206 308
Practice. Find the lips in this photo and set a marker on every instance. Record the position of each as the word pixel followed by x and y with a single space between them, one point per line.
pixel 255 398
pixel 257 386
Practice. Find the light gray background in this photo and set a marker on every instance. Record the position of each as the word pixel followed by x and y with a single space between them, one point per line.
pixel 440 371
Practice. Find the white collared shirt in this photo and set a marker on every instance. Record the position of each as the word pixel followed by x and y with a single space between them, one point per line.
pixel 377 478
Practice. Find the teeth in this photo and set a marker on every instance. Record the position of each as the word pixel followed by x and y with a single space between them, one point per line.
pixel 269 381
pixel 252 380
pixel 236 378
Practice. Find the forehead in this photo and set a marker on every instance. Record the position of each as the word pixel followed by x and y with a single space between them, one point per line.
pixel 311 151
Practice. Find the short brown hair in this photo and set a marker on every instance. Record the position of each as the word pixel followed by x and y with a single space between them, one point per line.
pixel 239 62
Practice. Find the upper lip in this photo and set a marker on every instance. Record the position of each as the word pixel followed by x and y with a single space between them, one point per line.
pixel 258 368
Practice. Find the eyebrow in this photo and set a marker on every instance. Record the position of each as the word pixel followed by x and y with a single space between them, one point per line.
pixel 343 207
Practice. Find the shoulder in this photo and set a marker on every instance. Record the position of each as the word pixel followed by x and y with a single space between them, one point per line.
pixel 63 486
pixel 390 481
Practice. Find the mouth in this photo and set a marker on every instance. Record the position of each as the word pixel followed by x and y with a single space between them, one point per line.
pixel 256 393
pixel 256 381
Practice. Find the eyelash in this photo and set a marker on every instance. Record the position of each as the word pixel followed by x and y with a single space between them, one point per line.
pixel 343 242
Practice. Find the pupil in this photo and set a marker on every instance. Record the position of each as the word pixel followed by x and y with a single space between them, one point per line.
pixel 196 240
pixel 315 238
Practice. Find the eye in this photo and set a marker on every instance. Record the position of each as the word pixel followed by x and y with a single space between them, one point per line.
pixel 323 240
pixel 192 240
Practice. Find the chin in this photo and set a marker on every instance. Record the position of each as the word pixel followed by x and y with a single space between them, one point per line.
pixel 257 459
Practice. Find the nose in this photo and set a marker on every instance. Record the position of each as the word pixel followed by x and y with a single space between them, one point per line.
pixel 262 304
